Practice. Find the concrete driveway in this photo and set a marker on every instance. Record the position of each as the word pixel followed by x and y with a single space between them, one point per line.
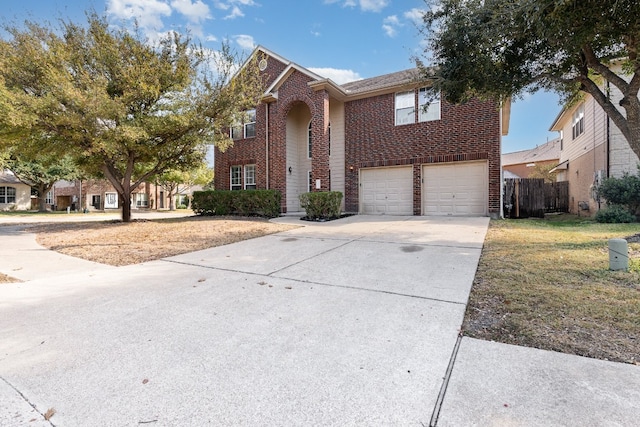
pixel 351 322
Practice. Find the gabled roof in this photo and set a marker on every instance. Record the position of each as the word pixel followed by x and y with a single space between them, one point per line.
pixel 392 80
pixel 347 91
pixel 545 152
pixel 7 177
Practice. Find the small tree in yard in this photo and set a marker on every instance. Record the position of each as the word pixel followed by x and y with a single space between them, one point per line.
pixel 43 173
pixel 123 108
pixel 504 48
pixel 176 182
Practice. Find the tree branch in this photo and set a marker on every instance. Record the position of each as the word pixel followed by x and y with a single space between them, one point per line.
pixel 594 63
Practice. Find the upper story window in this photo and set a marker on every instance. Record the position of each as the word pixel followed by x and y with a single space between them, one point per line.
pixel 405 108
pixel 236 177
pixel 245 129
pixel 577 124
pixel 250 177
pixel 428 106
pixel 7 194
pixel 309 142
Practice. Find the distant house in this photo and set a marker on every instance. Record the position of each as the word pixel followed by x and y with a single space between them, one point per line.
pixel 520 164
pixel 591 148
pixel 100 195
pixel 372 139
pixel 14 194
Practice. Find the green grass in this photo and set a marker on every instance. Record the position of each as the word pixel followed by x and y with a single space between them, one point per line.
pixel 546 284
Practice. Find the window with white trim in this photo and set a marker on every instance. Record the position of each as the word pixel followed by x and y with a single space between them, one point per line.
pixel 49 198
pixel 428 105
pixel 7 194
pixel 250 124
pixel 577 124
pixel 141 200
pixel 309 142
pixel 250 177
pixel 405 109
pixel 246 128
pixel 236 177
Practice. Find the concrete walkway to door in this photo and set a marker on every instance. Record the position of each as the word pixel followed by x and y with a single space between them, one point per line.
pixel 350 322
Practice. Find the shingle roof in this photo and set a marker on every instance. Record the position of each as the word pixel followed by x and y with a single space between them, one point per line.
pixel 7 177
pixel 380 82
pixel 546 151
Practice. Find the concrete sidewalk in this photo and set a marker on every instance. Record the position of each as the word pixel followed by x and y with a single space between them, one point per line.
pixel 350 322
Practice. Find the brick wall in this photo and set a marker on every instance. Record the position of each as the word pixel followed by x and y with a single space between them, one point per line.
pixel 465 132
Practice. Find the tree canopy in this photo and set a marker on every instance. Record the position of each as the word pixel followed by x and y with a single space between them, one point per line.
pixel 505 48
pixel 124 108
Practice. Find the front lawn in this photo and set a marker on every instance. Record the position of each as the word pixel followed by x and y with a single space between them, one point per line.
pixel 546 284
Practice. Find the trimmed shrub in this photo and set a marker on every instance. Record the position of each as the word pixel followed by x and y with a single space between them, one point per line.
pixel 264 203
pixel 614 214
pixel 623 191
pixel 321 204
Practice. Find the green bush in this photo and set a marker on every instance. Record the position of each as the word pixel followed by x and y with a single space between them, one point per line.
pixel 623 191
pixel 614 214
pixel 321 205
pixel 244 203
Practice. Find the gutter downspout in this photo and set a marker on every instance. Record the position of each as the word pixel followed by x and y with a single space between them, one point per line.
pixel 608 130
pixel 266 144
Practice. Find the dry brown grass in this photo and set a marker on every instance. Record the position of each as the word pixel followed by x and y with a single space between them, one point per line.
pixel 546 284
pixel 7 279
pixel 116 243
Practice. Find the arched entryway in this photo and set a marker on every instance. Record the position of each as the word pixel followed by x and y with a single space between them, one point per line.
pixel 298 133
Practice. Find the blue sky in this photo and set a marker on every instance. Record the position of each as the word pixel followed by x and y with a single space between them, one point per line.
pixel 344 40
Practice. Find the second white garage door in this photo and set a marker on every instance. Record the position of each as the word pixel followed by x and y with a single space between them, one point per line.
pixel 455 189
pixel 386 191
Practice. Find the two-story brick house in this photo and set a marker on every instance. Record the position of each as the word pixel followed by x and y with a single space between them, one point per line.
pixel 371 139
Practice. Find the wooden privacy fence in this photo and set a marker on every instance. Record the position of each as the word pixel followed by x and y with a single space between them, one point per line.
pixel 532 197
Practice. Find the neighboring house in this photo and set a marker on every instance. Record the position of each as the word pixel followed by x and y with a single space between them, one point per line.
pixel 14 194
pixel 592 148
pixel 520 164
pixel 100 195
pixel 371 139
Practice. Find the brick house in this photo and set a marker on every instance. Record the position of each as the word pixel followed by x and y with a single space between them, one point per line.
pixel 370 139
pixel 520 164
pixel 591 148
pixel 98 194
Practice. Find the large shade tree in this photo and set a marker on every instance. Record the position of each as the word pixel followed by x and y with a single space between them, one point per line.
pixel 126 109
pixel 505 48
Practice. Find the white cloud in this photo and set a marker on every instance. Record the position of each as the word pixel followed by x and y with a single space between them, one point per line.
pixel 316 33
pixel 235 13
pixel 337 75
pixel 365 5
pixel 148 13
pixel 211 38
pixel 195 12
pixel 245 41
pixel 373 5
pixel 415 15
pixel 390 25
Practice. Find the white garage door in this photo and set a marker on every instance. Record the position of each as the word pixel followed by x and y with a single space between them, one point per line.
pixel 386 191
pixel 455 189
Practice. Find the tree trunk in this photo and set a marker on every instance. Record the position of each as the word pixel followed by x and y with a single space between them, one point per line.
pixel 42 198
pixel 172 205
pixel 125 199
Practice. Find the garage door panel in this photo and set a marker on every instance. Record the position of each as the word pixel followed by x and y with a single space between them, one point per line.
pixel 455 189
pixel 387 190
